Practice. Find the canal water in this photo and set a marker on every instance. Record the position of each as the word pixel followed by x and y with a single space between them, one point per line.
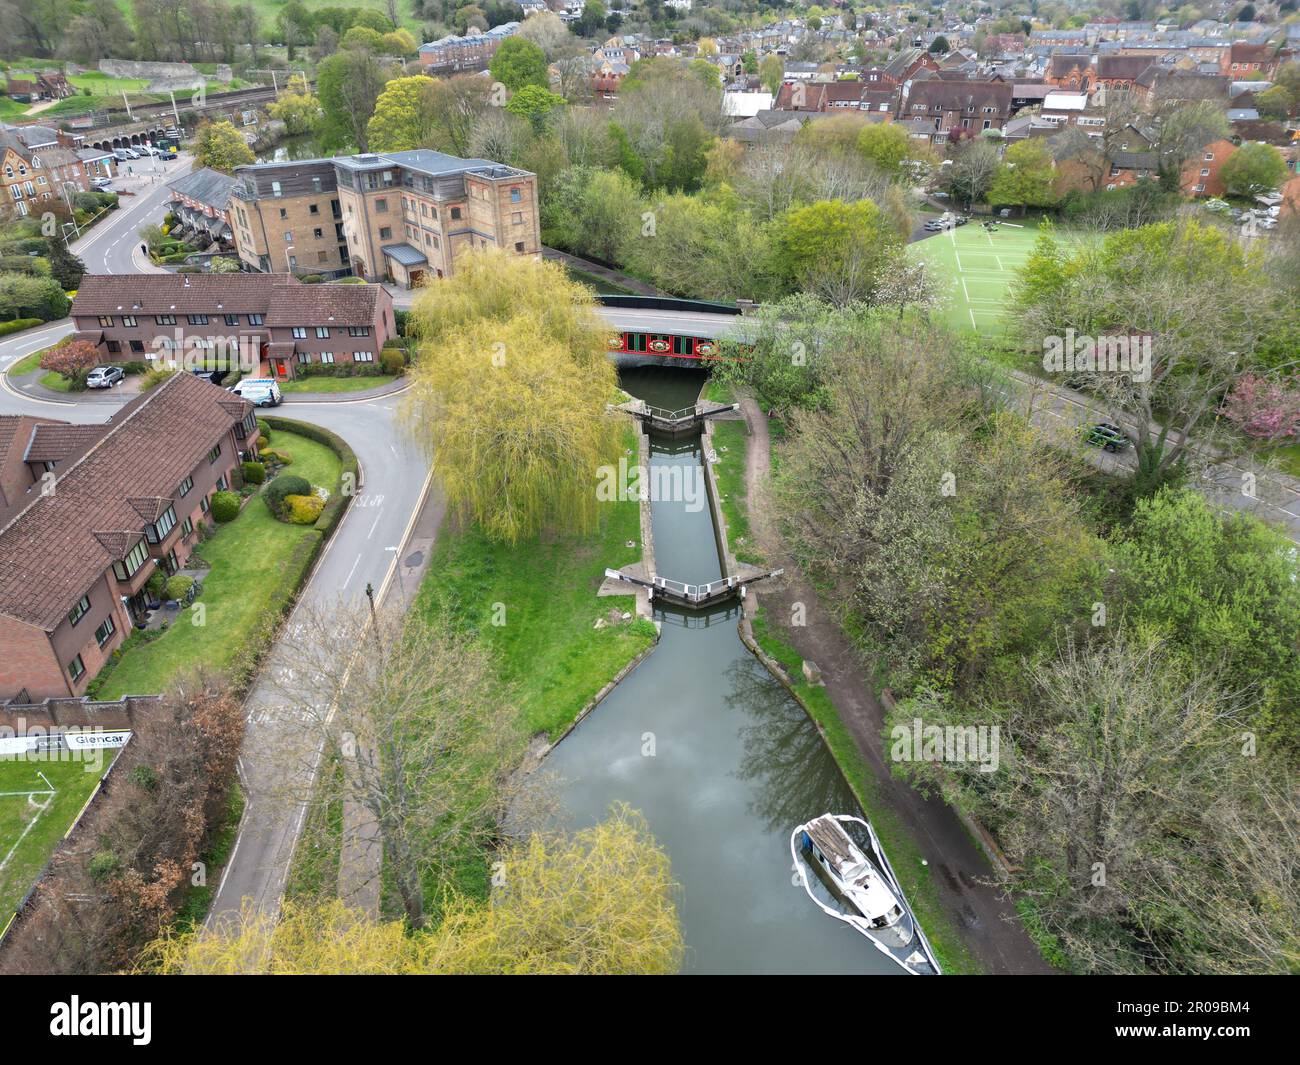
pixel 719 758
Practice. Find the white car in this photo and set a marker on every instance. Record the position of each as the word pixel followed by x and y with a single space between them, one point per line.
pixel 259 391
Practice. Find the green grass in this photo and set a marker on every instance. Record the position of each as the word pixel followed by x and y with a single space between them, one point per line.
pixel 1288 458
pixel 917 880
pixel 247 580
pixel 731 441
pixel 56 382
pixel 28 364
pixel 11 109
pixel 602 287
pixel 330 385
pixel 21 860
pixel 980 267
pixel 548 648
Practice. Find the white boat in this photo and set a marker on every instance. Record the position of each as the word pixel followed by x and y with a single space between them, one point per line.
pixel 854 883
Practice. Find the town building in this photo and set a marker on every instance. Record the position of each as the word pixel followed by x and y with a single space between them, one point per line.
pixel 271 319
pixel 472 52
pixel 30 178
pixel 400 217
pixel 201 202
pixel 92 512
pixel 940 106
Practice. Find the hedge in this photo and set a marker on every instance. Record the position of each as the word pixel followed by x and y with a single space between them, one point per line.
pixel 254 472
pixel 338 501
pixel 178 586
pixel 225 506
pixel 304 510
pixel 287 484
pixel 17 324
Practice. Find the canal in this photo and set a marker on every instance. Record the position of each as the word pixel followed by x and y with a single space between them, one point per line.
pixel 716 754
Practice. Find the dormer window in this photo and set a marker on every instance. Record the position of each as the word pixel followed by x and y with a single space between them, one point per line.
pixel 158 531
pixel 130 566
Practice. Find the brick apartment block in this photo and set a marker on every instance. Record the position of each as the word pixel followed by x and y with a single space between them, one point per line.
pixel 91 512
pixel 400 217
pixel 136 317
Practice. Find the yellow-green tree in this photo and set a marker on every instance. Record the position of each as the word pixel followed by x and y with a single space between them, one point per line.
pixel 598 902
pixel 403 117
pixel 509 392
pixel 297 107
pixel 222 147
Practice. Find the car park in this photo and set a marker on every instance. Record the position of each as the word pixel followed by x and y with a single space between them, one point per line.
pixel 1108 437
pixel 104 376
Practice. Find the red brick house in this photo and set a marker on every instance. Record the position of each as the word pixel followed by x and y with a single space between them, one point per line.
pixel 972 106
pixel 1200 176
pixel 1249 62
pixel 273 318
pixel 92 512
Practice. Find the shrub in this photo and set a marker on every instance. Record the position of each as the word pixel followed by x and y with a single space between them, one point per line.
pixel 254 472
pixel 280 458
pixel 103 866
pixel 263 430
pixel 339 501
pixel 225 506
pixel 156 584
pixel 311 279
pixel 400 320
pixel 155 377
pixel 287 484
pixel 392 361
pixel 135 367
pixel 263 442
pixel 303 510
pixel 17 324
pixel 178 587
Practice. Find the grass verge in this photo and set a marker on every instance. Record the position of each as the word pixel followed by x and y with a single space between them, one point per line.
pixel 257 563
pixel 329 385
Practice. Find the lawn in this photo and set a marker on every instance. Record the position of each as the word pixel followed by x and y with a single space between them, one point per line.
pixel 731 442
pixel 38 801
pixel 330 385
pixel 981 267
pixel 248 579
pixel 548 648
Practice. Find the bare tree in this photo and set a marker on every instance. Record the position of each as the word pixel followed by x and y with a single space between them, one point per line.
pixel 425 731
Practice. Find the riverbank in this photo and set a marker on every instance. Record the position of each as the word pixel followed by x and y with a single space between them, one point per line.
pixel 946 876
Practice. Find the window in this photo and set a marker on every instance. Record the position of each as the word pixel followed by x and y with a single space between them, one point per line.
pixel 203 504
pixel 327 357
pixel 304 357
pixel 1209 157
pixel 516 196
pixel 288 236
pixel 275 188
pixel 183 489
pixel 76 668
pixel 315 185
pixel 318 234
pixel 385 233
pixel 363 356
pixel 231 319
pixel 284 213
pixel 137 346
pixel 105 320
pixel 105 631
pixel 254 319
pixel 113 346
pixel 381 205
pixel 455 212
pixel 299 332
pixel 322 332
pixel 164 319
pixel 315 207
pixel 293 262
pixel 519 245
pixel 80 610
pixel 157 532
pixel 130 566
pixel 1205 173
pixel 214 454
pixel 187 527
pixel 128 320
pixel 221 483
pixel 358 330
pixel 196 319
pixel 517 218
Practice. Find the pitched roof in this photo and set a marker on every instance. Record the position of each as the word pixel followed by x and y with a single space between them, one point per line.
pixel 319 304
pixel 206 186
pixel 1122 67
pixel 57 442
pixel 106 294
pixel 57 545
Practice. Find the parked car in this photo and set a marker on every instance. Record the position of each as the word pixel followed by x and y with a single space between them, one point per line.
pixel 961 220
pixel 102 184
pixel 1108 437
pixel 104 376
pixel 260 391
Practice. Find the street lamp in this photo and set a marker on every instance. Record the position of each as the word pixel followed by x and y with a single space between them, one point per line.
pixel 287 267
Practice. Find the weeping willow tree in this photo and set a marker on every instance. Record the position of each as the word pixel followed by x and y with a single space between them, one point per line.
pixel 598 902
pixel 509 392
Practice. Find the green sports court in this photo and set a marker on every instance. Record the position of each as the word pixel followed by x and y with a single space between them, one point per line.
pixel 982 266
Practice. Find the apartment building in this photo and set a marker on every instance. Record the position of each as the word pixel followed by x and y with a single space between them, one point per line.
pixel 201 200
pixel 271 319
pixel 287 218
pixel 939 106
pixel 31 178
pixel 472 52
pixel 94 511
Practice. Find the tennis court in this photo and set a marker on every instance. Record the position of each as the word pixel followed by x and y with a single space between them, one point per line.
pixel 982 265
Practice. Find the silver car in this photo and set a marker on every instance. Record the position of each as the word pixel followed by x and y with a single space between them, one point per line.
pixel 104 376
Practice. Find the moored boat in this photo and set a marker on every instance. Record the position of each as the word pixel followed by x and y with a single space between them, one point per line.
pixel 853 882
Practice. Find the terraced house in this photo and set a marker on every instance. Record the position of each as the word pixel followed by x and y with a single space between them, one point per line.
pixel 31 177
pixel 271 318
pixel 91 512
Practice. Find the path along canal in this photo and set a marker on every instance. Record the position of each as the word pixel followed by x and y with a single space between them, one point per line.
pixel 735 761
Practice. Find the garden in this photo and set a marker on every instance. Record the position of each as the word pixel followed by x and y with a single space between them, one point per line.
pixel 265 539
